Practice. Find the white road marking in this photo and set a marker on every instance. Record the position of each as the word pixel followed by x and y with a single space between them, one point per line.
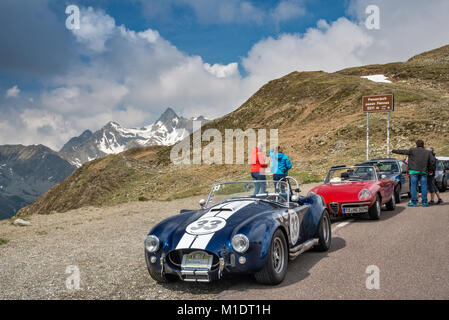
pixel 341 225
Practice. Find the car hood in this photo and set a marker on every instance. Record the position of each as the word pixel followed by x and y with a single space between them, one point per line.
pixel 212 228
pixel 343 192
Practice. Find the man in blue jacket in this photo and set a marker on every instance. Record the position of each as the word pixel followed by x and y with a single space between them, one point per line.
pixel 280 165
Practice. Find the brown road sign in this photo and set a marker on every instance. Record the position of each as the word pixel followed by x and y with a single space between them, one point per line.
pixel 379 103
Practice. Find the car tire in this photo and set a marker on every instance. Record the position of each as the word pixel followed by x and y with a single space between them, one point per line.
pixel 391 205
pixel 324 233
pixel 397 194
pixel 158 277
pixel 275 267
pixel 374 211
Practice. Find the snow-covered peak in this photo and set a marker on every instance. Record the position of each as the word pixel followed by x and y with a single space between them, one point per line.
pixel 113 138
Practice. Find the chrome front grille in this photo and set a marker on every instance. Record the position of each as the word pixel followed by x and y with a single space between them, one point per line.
pixel 175 258
pixel 334 207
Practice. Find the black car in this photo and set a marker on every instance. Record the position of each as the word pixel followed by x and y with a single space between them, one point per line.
pixel 395 170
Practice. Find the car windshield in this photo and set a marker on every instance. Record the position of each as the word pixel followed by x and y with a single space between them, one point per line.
pixel 266 189
pixel 446 164
pixel 386 166
pixel 351 174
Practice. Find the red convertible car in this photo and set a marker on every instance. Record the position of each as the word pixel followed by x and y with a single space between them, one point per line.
pixel 358 189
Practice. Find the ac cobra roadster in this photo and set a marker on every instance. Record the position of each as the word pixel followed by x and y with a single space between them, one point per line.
pixel 237 231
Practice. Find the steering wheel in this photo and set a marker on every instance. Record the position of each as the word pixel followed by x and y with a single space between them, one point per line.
pixel 276 198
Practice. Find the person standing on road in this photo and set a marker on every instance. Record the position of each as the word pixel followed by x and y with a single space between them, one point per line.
pixel 280 165
pixel 431 185
pixel 258 166
pixel 419 162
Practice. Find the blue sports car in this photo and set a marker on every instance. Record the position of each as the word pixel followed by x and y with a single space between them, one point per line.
pixel 237 231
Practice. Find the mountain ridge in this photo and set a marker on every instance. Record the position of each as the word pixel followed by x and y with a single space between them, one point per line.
pixel 112 138
pixel 26 172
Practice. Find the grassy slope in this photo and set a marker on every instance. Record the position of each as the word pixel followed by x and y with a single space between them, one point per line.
pixel 320 124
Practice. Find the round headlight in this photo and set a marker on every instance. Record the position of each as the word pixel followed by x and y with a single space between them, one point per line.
pixel 240 243
pixel 152 243
pixel 364 194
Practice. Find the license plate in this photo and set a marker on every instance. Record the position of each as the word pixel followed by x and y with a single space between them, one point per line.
pixel 197 260
pixel 355 209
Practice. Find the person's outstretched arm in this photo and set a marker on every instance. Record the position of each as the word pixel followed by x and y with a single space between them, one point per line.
pixel 407 152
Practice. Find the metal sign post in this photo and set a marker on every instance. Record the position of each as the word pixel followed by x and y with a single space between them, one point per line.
pixel 367 136
pixel 379 103
pixel 388 134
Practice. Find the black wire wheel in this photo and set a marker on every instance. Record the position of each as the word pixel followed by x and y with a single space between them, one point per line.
pixel 275 267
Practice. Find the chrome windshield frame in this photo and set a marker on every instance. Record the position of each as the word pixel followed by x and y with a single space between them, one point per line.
pixel 326 181
pixel 288 191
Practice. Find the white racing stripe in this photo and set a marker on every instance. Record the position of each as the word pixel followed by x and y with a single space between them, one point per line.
pixel 201 241
pixel 185 241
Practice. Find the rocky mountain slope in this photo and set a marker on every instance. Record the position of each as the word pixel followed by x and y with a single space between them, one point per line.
pixel 320 121
pixel 113 138
pixel 26 173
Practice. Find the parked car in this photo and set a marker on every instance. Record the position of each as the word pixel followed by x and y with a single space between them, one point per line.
pixel 239 232
pixel 445 161
pixel 441 175
pixel 355 190
pixel 395 170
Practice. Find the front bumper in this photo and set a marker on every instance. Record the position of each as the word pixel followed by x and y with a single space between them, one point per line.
pixel 348 208
pixel 227 264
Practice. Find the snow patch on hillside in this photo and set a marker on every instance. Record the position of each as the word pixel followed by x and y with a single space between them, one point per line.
pixel 377 78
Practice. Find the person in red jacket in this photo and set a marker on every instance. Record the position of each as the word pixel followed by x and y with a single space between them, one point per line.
pixel 258 166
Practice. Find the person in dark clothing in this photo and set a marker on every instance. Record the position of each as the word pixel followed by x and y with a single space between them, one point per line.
pixel 431 185
pixel 420 162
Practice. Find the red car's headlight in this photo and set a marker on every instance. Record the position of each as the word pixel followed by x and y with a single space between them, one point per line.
pixel 364 194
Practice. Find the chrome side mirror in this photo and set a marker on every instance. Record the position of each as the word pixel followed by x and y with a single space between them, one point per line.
pixel 383 176
pixel 202 203
pixel 295 198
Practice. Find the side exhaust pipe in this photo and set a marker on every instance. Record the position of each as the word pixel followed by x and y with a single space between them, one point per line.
pixel 296 251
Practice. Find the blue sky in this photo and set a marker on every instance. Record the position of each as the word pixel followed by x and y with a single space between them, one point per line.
pixel 130 60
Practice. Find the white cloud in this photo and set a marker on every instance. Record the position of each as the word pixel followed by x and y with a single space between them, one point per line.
pixel 222 71
pixel 288 9
pixel 407 28
pixel 12 92
pixel 329 48
pixel 96 28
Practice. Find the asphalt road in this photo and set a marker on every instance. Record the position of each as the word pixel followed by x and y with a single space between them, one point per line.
pixel 409 247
